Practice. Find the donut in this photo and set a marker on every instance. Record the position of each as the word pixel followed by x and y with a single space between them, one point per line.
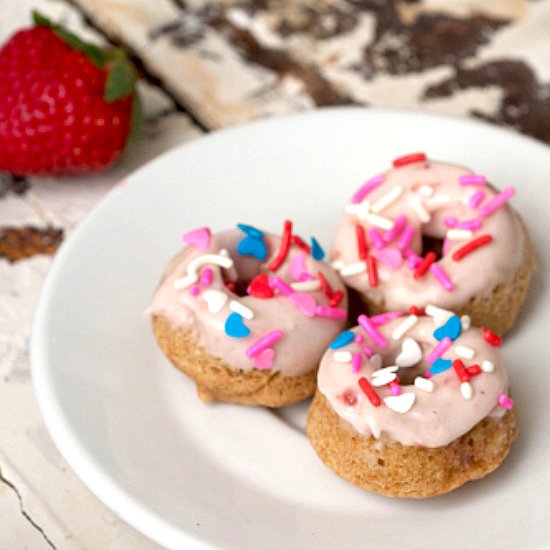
pixel 247 314
pixel 427 232
pixel 410 409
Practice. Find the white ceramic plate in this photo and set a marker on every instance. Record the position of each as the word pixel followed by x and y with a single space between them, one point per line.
pixel 195 476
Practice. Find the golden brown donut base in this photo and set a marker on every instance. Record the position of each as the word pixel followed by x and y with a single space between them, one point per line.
pixel 217 381
pixel 499 310
pixel 407 472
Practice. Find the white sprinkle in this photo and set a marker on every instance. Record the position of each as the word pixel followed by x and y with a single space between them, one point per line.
pixel 337 265
pixel 410 355
pixel 424 384
pixel 420 209
pixel 215 299
pixel 306 286
pixel 463 351
pixel 487 366
pixel 382 378
pixel 466 322
pixel 376 361
pixel 404 327
pixel 390 369
pixel 400 403
pixel 200 261
pixel 389 198
pixel 466 390
pixel 426 190
pixel 224 252
pixel 185 282
pixel 237 307
pixel 360 210
pixel 380 221
pixel 459 234
pixel 434 311
pixel 353 269
pixel 342 356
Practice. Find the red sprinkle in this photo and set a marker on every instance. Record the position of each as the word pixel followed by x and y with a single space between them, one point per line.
pixel 300 243
pixel 368 390
pixel 461 371
pixel 336 298
pixel 283 250
pixel 424 265
pixel 409 159
pixel 473 370
pixel 230 285
pixel 471 246
pixel 372 271
pixel 491 337
pixel 413 310
pixel 362 250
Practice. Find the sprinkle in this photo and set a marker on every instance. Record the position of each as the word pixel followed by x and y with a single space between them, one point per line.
pixel 372 271
pixel 337 265
pixel 284 247
pixel 359 210
pixel 376 238
pixel 452 328
pixel 371 331
pixel 343 339
pixel 379 221
pixel 368 390
pixel 473 370
pixel 408 159
pixel 426 190
pixel 420 311
pixel 234 326
pixel 200 261
pixel 424 384
pixel 403 327
pixel 494 204
pixel 242 310
pixel 356 361
pixel 439 349
pixel 424 265
pixel 252 246
pixel 461 371
pixel 194 290
pixel 413 260
pixel 470 224
pixel 281 286
pixel 472 179
pixel 491 337
pixel 300 243
pixel 367 188
pixel 450 221
pixel 383 318
pixel 442 277
pixel 459 234
pixel 358 338
pixel 386 200
pixel 382 377
pixel 331 312
pixel 306 286
pixel 487 366
pixel 476 199
pixel 400 403
pixel 251 231
pixel 410 354
pixel 466 390
pixel 440 365
pixel 316 250
pixel 471 246
pixel 368 351
pixel 466 322
pixel 342 356
pixel 362 250
pixel 438 313
pixel 505 401
pixel 463 351
pixel 406 238
pixel 399 224
pixel 264 342
pixel 206 276
pixel 423 215
pixel 446 247
pixel 353 269
pixel 325 285
pixel 199 237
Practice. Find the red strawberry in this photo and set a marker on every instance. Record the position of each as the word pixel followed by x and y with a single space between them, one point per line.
pixel 66 107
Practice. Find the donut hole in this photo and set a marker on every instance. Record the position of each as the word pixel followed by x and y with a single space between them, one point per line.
pixel 432 244
pixel 237 287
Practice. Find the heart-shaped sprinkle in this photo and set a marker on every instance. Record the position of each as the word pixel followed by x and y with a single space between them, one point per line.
pixel 235 327
pixel 298 267
pixel 440 365
pixel 251 231
pixel 336 298
pixel 305 302
pixel 400 403
pixel 451 329
pixel 343 339
pixel 264 359
pixel 316 250
pixel 410 354
pixel 215 299
pixel 259 287
pixel 252 246
pixel 390 257
pixel 197 237
pixel 382 377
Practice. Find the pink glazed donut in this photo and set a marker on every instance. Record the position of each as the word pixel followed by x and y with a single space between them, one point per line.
pixel 428 232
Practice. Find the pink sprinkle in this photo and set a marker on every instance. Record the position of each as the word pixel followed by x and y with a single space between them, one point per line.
pixel 439 350
pixel 505 401
pixel 368 351
pixel 383 318
pixel 472 179
pixel 331 312
pixel 470 224
pixel 398 226
pixel 395 388
pixel 366 188
pixel 445 247
pixel 476 199
pixel 306 277
pixel 442 277
pixel 497 202
pixel 206 276
pixel 428 374
pixel 281 286
pixel 371 331
pixel 264 342
pixel 194 290
pixel 356 361
pixel 413 260
pixel 359 338
pixel 376 238
pixel 406 238
pixel 450 222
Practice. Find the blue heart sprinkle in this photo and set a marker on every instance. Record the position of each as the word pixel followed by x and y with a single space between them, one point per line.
pixel 251 231
pixel 440 365
pixel 235 327
pixel 316 251
pixel 253 246
pixel 452 329
pixel 342 339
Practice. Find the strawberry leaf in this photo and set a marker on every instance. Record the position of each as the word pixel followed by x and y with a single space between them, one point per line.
pixel 136 121
pixel 122 77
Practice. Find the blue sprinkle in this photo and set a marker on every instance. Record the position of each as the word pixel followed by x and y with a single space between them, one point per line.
pixel 452 329
pixel 440 365
pixel 316 251
pixel 251 231
pixel 235 327
pixel 342 339
pixel 252 246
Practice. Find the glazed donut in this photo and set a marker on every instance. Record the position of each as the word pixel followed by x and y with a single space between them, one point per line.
pixel 430 232
pixel 247 315
pixel 409 409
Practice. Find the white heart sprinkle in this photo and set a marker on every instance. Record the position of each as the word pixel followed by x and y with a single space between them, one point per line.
pixel 400 403
pixel 342 356
pixel 382 378
pixel 466 390
pixel 411 353
pixel 466 322
pixel 487 366
pixel 391 368
pixel 376 361
pixel 215 299
pixel 424 384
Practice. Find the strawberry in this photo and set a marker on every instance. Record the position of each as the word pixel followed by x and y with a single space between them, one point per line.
pixel 66 107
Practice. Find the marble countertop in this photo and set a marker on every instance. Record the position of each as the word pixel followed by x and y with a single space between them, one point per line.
pixel 208 65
